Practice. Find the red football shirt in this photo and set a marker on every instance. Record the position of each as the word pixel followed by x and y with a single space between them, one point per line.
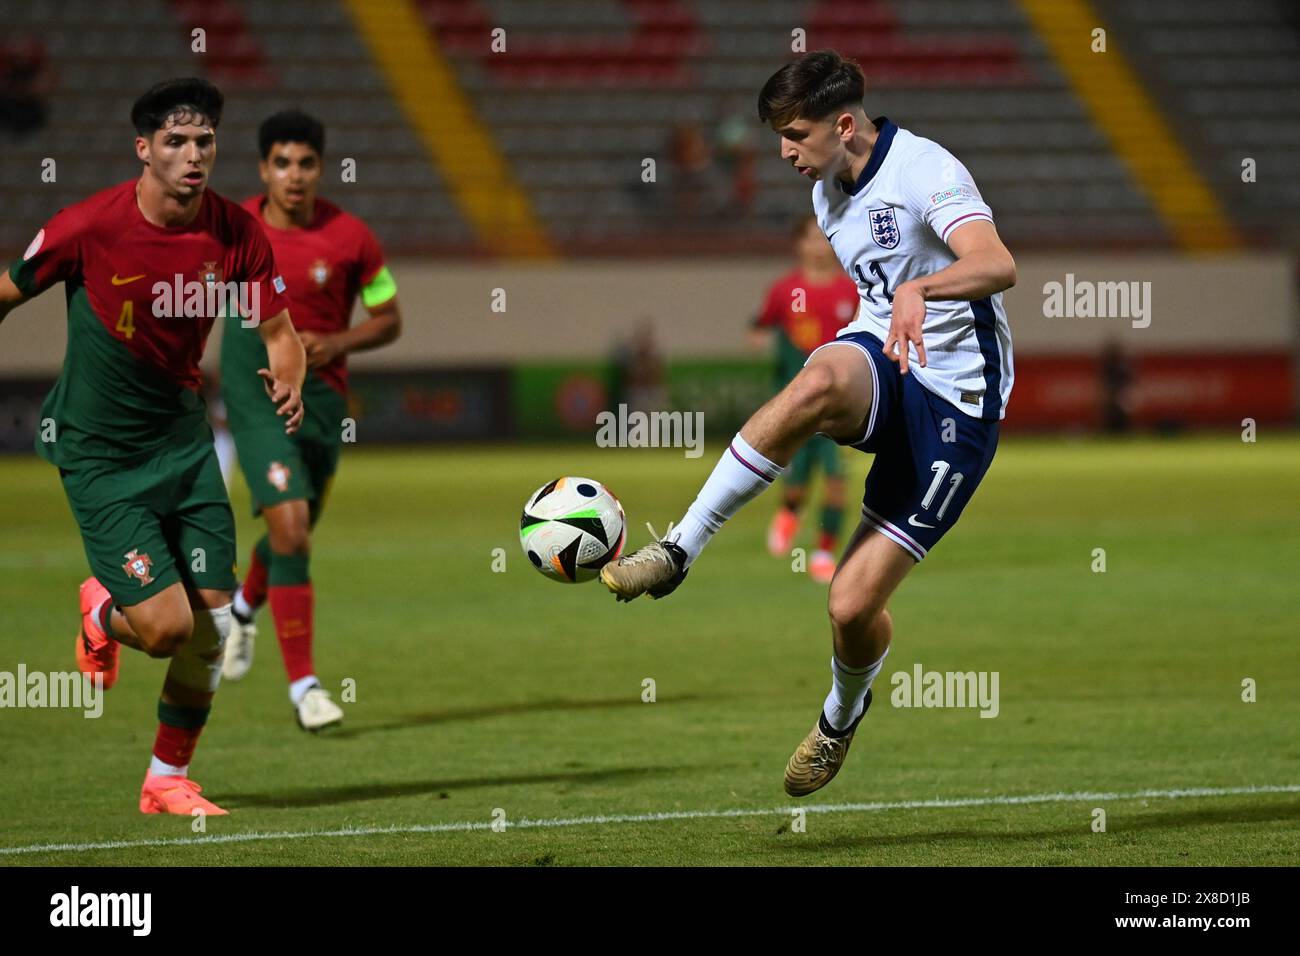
pixel 827 308
pixel 130 378
pixel 105 246
pixel 325 265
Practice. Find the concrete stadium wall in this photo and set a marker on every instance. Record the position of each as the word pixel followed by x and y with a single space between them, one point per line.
pixel 578 310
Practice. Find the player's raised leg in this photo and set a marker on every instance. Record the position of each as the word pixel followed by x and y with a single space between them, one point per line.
pixel 192 677
pixel 105 628
pixel 861 629
pixel 832 395
pixel 187 628
pixel 202 529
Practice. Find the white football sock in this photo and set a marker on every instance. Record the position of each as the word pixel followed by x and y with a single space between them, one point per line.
pixel 738 478
pixel 241 607
pixel 300 687
pixel 160 768
pixel 849 686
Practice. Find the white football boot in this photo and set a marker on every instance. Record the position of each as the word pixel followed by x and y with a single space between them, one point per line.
pixel 655 569
pixel 316 710
pixel 239 648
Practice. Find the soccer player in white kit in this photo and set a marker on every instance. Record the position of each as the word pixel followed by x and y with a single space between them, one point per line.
pixel 920 378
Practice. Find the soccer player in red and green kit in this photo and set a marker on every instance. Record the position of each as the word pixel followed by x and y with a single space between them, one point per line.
pixel 328 258
pixel 804 309
pixel 147 265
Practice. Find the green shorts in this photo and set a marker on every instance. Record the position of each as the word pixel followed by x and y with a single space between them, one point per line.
pixel 819 451
pixel 280 467
pixel 147 526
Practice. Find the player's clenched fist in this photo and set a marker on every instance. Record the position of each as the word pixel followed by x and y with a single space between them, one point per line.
pixel 286 398
pixel 905 325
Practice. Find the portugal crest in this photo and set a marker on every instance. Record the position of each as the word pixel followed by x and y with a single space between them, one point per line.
pixel 210 274
pixel 884 227
pixel 320 273
pixel 138 565
pixel 278 476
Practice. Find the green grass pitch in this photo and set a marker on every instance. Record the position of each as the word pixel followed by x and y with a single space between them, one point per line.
pixel 478 690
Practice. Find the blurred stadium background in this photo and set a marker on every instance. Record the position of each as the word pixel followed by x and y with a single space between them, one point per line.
pixel 523 170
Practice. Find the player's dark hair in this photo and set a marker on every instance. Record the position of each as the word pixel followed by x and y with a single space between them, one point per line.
pixel 190 97
pixel 290 126
pixel 811 87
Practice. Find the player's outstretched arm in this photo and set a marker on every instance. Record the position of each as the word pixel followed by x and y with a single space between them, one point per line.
pixel 384 325
pixel 10 296
pixel 984 266
pixel 288 363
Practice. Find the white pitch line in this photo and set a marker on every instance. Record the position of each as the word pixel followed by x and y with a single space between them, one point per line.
pixel 526 824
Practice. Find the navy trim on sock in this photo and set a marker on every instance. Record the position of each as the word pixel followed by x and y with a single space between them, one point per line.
pixel 831 732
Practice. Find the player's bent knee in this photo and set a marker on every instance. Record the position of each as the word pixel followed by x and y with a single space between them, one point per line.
pixel 164 639
pixel 293 542
pixel 292 537
pixel 814 383
pixel 855 610
pixel 820 392
pixel 884 623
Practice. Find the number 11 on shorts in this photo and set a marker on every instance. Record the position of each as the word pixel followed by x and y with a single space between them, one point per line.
pixel 940 469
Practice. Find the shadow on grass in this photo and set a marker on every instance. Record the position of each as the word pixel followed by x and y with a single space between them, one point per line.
pixel 1119 826
pixel 452 714
pixel 439 789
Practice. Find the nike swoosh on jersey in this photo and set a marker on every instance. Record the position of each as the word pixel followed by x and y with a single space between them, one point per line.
pixel 911 519
pixel 116 281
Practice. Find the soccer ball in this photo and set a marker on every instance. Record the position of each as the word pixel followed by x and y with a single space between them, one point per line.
pixel 571 528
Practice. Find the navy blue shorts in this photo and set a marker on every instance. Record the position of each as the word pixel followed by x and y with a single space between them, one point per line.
pixel 930 455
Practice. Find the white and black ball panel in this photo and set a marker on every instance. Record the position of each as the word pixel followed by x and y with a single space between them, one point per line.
pixel 572 527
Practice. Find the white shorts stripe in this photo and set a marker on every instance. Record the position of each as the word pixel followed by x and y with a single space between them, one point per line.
pixel 894 533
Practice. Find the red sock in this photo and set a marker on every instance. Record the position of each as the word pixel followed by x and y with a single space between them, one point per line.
pixel 826 542
pixel 291 607
pixel 175 745
pixel 254 586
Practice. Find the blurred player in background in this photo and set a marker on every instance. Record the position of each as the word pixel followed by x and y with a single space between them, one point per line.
pixel 130 434
pixel 803 310
pixel 920 378
pixel 328 258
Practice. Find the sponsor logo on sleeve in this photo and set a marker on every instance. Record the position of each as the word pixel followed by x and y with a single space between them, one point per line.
pixel 952 192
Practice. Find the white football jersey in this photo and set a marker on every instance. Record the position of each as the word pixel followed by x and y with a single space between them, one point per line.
pixel 893 225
